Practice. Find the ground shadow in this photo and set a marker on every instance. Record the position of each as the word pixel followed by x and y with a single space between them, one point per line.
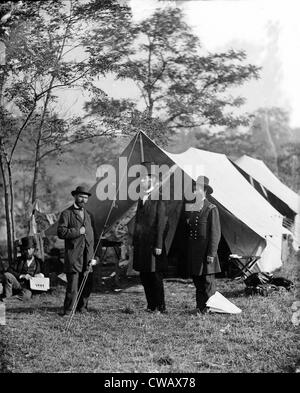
pixel 51 309
pixel 4 363
pixel 234 293
pixel 30 309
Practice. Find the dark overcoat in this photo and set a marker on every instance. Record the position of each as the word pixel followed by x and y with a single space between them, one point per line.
pixel 78 248
pixel 203 234
pixel 149 233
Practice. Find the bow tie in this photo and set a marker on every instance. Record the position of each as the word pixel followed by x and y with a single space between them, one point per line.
pixel 78 208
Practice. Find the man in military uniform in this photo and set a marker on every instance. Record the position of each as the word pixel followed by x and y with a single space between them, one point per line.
pixel 149 256
pixel 76 227
pixel 17 278
pixel 203 233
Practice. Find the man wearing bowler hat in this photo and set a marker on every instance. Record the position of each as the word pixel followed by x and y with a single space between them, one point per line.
pixel 203 233
pixel 76 227
pixel 17 278
pixel 149 257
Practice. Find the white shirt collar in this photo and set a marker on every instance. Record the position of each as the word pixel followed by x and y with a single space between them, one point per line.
pixel 147 194
pixel 29 261
pixel 150 190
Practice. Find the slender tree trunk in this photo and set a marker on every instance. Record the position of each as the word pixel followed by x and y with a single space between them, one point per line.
pixel 37 160
pixel 149 88
pixel 271 142
pixel 6 204
pixel 5 182
pixel 36 171
pixel 150 108
pixel 295 173
pixel 12 204
pixel 38 145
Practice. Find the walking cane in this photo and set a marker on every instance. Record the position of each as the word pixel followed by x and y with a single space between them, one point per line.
pixel 85 277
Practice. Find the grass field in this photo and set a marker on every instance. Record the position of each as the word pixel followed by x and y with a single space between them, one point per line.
pixel 119 336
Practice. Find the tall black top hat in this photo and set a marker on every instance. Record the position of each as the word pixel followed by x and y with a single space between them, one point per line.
pixel 28 242
pixel 80 190
pixel 203 180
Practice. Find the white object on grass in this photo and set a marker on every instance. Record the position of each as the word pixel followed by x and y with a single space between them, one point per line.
pixel 63 277
pixel 218 303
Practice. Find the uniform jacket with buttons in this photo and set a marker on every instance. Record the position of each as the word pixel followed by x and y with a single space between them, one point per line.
pixel 203 233
pixel 78 248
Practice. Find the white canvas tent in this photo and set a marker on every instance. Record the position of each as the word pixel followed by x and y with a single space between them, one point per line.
pixel 281 197
pixel 250 225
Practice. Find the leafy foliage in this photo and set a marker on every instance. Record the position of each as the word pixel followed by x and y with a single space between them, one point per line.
pixel 45 52
pixel 44 44
pixel 268 137
pixel 180 86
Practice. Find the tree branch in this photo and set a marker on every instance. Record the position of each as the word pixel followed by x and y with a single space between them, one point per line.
pixel 173 117
pixel 40 95
pixel 72 142
pixel 70 50
pixel 20 131
pixel 189 126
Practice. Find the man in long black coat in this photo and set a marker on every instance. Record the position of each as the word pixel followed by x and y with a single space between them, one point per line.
pixel 149 256
pixel 203 233
pixel 76 227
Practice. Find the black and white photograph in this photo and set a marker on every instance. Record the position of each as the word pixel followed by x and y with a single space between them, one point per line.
pixel 149 189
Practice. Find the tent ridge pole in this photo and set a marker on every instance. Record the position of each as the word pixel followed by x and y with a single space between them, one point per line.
pixel 141 147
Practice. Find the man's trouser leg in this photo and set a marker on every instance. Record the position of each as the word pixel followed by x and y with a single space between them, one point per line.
pixel 205 288
pixel 147 280
pixel 71 291
pixel 158 290
pixel 11 284
pixel 86 291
